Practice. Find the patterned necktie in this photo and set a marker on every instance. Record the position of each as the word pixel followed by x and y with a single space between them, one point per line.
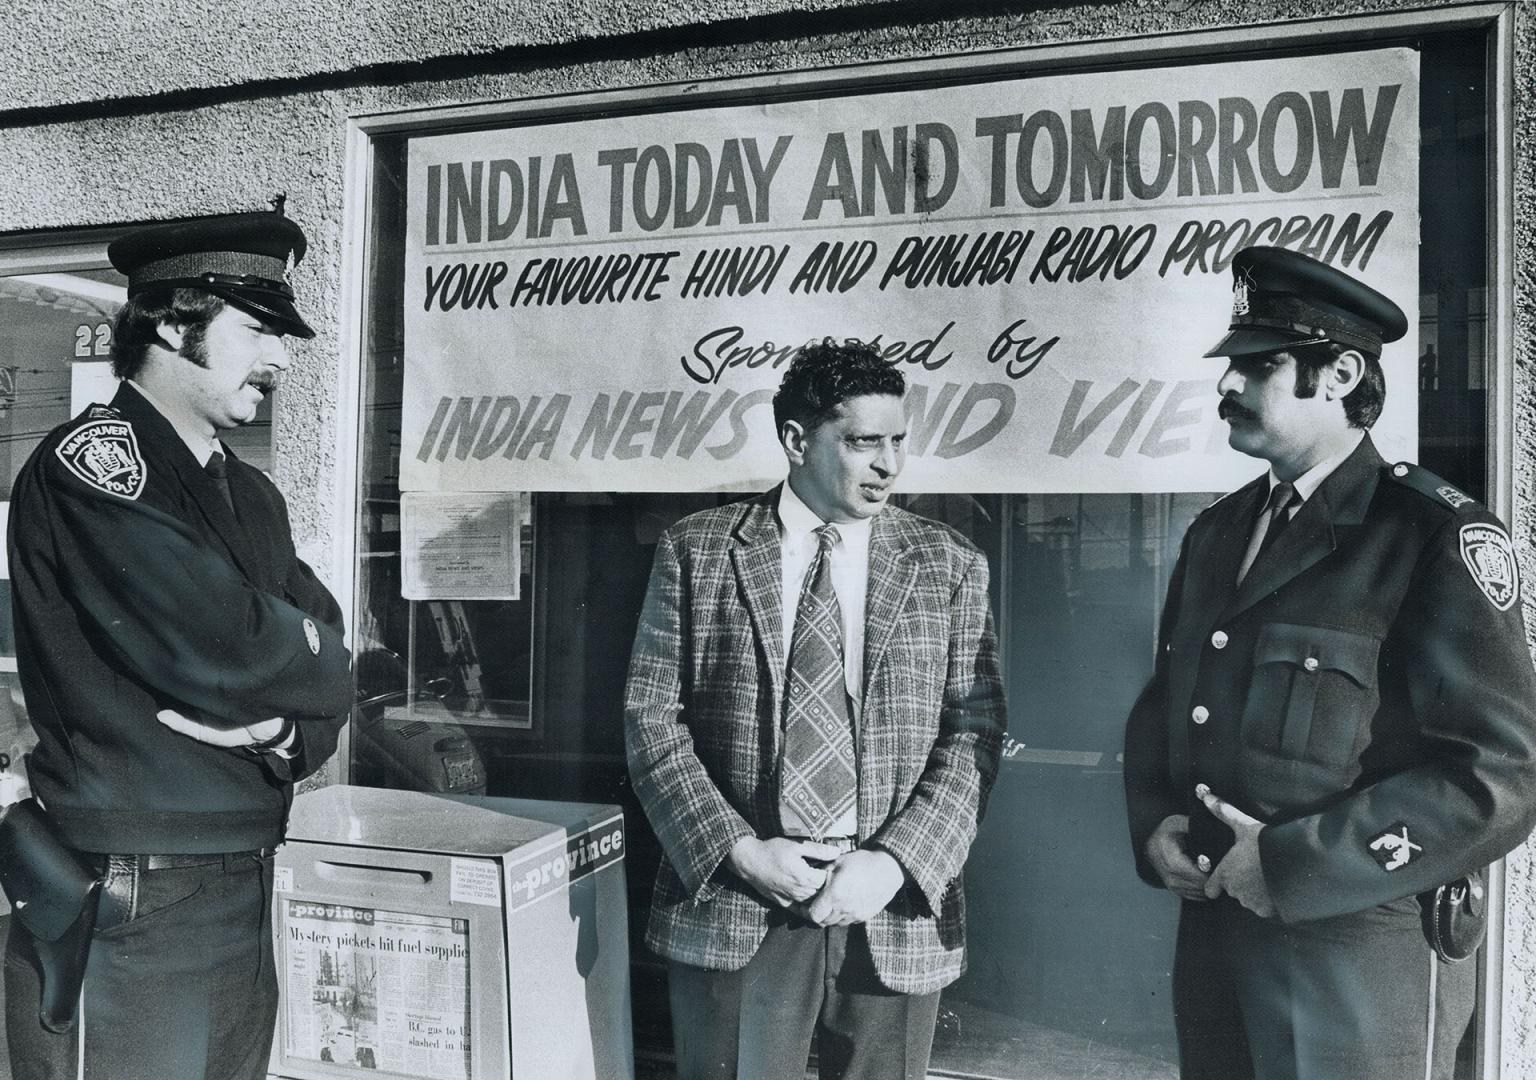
pixel 220 476
pixel 818 782
pixel 1278 509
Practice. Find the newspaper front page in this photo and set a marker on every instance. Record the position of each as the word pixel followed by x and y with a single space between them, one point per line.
pixel 377 989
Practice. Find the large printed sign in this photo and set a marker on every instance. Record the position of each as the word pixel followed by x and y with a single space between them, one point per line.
pixel 609 304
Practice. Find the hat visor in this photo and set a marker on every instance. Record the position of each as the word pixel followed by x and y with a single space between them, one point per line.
pixel 1248 340
pixel 269 307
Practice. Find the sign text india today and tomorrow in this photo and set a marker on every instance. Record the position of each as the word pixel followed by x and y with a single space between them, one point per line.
pixel 609 304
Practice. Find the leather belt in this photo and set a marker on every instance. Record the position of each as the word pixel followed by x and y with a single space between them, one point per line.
pixel 229 860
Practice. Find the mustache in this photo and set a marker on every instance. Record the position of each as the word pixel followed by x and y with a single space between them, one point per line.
pixel 265 381
pixel 1229 408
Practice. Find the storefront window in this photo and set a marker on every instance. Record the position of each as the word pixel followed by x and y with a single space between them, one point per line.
pixel 521 694
pixel 55 330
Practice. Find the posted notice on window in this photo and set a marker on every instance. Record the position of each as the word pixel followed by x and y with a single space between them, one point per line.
pixel 460 545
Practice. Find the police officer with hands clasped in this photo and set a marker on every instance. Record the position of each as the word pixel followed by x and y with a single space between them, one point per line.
pixel 181 667
pixel 1342 717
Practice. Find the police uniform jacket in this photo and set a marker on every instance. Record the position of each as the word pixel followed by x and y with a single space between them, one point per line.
pixel 1366 691
pixel 703 712
pixel 136 588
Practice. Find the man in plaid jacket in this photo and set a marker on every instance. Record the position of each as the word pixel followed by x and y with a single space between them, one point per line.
pixel 779 922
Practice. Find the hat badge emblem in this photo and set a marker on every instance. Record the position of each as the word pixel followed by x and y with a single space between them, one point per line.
pixel 1240 304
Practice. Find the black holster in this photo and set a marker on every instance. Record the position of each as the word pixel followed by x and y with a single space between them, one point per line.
pixel 1455 917
pixel 54 892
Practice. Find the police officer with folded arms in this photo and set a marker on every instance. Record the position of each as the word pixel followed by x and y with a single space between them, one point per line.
pixel 180 664
pixel 1342 717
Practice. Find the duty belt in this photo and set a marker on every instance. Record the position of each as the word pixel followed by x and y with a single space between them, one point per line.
pixel 230 860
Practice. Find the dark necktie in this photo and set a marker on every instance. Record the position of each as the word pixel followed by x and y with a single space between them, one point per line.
pixel 220 476
pixel 818 781
pixel 1277 511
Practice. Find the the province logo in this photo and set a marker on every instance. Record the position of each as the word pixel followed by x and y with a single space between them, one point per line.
pixel 105 454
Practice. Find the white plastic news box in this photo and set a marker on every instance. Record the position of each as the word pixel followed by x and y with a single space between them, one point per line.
pixel 451 938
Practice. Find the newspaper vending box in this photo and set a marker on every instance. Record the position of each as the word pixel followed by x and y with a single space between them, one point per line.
pixel 443 937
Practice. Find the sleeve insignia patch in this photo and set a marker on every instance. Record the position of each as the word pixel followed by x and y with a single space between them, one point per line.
pixel 105 454
pixel 312 636
pixel 1392 849
pixel 1491 559
pixel 1456 498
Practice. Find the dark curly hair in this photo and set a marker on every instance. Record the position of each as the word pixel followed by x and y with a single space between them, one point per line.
pixel 827 373
pixel 1362 407
pixel 137 326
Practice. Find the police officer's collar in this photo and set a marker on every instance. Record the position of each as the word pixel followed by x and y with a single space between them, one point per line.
pixel 201 446
pixel 1308 482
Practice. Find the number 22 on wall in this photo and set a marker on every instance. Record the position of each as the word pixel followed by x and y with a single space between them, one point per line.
pixel 100 346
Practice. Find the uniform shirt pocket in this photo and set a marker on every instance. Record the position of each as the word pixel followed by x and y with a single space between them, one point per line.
pixel 1312 691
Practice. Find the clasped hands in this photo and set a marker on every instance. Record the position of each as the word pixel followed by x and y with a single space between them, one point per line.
pixel 1238 875
pixel 816 881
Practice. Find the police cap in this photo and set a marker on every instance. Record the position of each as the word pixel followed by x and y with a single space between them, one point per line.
pixel 240 257
pixel 1282 298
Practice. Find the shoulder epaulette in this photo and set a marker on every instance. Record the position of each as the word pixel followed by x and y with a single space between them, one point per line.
pixel 1431 486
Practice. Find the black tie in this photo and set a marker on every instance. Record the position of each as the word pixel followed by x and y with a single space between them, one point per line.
pixel 1279 509
pixel 1275 516
pixel 220 476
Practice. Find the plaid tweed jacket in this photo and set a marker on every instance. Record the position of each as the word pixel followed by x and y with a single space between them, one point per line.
pixel 703 714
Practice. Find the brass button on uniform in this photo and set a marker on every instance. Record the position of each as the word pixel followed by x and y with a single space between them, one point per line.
pixel 1200 715
pixel 1219 640
pixel 1204 863
pixel 1310 663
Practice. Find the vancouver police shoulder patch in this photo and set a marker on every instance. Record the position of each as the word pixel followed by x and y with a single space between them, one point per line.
pixel 1490 558
pixel 104 452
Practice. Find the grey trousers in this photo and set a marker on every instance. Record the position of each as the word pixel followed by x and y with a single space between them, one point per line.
pixel 804 981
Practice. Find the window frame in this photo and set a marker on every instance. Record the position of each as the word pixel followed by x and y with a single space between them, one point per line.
pixel 1495 20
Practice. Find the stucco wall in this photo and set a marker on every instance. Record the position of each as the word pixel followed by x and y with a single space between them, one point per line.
pixel 1520 952
pixel 165 108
